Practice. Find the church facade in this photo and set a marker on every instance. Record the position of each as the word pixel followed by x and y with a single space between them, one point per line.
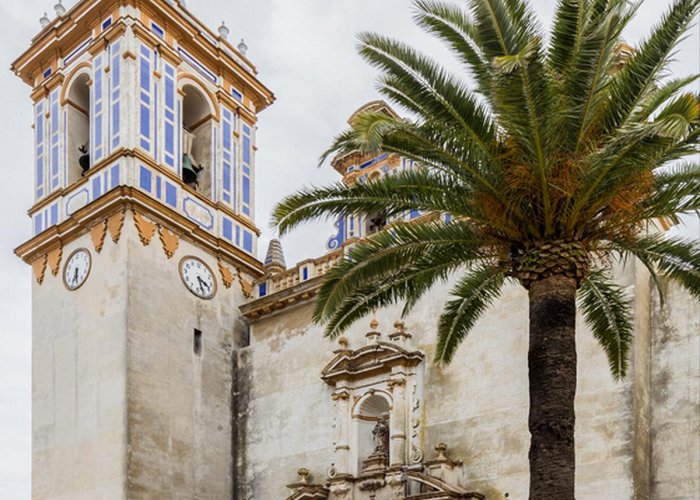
pixel 169 362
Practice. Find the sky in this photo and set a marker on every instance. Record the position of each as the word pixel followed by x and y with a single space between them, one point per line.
pixel 305 52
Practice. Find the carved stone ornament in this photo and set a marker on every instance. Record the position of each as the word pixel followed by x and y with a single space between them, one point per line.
pixel 39 268
pixel 145 228
pixel 169 240
pixel 340 490
pixel 377 391
pixel 226 274
pixel 97 234
pixel 115 224
pixel 303 489
pixel 54 259
pixel 246 285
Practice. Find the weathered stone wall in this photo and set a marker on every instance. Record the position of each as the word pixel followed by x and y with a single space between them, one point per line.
pixel 123 406
pixel 179 416
pixel 675 396
pixel 478 405
pixel 79 380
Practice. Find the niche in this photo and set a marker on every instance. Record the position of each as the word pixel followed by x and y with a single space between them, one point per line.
pixel 78 128
pixel 372 420
pixel 197 129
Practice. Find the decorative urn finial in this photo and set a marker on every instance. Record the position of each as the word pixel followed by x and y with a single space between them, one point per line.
pixel 59 8
pixel 303 474
pixel 44 21
pixel 242 47
pixel 224 32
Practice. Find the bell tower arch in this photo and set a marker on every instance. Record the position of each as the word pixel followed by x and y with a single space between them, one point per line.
pixel 143 246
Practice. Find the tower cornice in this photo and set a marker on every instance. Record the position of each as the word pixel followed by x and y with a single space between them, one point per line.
pixel 128 198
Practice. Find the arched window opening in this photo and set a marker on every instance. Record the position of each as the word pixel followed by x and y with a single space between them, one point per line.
pixel 373 432
pixel 197 130
pixel 375 223
pixel 78 128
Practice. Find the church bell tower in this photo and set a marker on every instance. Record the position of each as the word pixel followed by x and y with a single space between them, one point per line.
pixel 143 246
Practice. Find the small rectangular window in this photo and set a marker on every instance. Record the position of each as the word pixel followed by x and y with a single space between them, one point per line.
pixel 197 346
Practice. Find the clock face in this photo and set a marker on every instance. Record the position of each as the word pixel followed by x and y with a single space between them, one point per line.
pixel 198 277
pixel 77 269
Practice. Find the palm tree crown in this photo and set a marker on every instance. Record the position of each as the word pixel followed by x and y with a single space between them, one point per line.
pixel 558 159
pixel 554 160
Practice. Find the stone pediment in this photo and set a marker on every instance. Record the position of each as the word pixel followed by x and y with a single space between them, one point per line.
pixel 310 493
pixel 378 357
pixel 429 487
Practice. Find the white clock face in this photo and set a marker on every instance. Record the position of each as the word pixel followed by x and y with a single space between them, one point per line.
pixel 198 277
pixel 77 269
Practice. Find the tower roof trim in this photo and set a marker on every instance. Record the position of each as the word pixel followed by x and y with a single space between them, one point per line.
pixel 340 162
pixel 70 29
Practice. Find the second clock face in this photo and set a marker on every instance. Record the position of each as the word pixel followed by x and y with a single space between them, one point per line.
pixel 198 277
pixel 77 269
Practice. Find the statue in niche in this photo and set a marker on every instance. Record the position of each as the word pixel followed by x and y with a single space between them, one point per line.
pixel 379 459
pixel 380 433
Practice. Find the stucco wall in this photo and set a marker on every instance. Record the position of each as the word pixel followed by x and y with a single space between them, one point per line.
pixel 179 418
pixel 675 382
pixel 79 380
pixel 478 405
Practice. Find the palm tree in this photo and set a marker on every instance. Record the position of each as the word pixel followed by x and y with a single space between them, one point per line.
pixel 554 162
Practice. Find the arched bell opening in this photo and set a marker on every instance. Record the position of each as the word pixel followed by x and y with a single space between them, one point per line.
pixel 372 420
pixel 197 130
pixel 78 128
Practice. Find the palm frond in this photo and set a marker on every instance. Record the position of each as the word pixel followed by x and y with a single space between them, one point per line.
pixel 676 258
pixel 608 312
pixel 474 294
pixel 425 249
pixel 450 23
pixel 642 70
pixel 656 98
pixel 419 189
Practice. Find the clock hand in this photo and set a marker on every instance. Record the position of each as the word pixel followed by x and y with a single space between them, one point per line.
pixel 75 276
pixel 202 284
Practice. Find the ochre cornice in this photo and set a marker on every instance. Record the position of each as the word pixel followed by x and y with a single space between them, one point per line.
pixel 270 304
pixel 128 198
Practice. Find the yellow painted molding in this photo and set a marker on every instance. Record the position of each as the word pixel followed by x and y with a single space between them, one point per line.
pixel 145 228
pixel 54 259
pixel 97 234
pixel 115 224
pixel 39 268
pixel 169 240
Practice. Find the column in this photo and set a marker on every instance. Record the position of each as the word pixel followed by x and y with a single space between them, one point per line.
pixel 342 432
pixel 397 452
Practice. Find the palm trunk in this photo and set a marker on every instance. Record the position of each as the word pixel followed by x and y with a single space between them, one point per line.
pixel 552 365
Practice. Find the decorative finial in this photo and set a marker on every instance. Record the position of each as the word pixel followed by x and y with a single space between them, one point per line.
pixel 242 47
pixel 44 21
pixel 59 8
pixel 274 260
pixel 400 336
pixel 303 475
pixel 224 32
pixel 441 448
pixel 343 342
pixel 374 324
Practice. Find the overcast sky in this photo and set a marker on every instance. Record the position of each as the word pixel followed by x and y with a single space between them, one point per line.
pixel 305 52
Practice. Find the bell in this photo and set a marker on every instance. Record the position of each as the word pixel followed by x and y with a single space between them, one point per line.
pixel 84 162
pixel 189 174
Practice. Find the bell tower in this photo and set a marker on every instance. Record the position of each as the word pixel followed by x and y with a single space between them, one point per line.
pixel 143 246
